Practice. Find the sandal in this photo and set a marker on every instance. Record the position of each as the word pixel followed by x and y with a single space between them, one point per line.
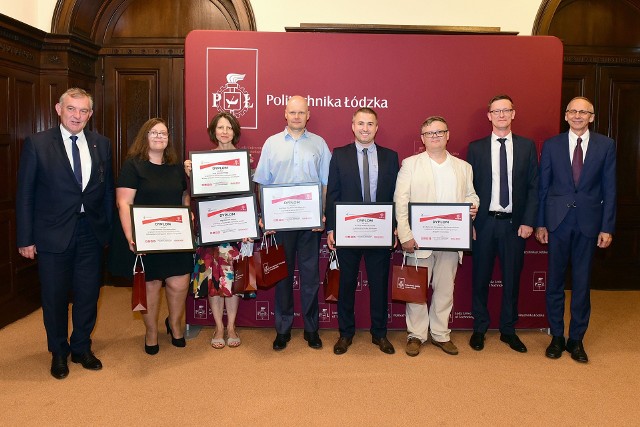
pixel 233 342
pixel 217 343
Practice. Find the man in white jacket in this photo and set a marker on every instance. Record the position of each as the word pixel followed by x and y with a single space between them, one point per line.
pixel 433 176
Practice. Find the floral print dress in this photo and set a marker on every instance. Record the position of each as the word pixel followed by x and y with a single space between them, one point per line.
pixel 213 270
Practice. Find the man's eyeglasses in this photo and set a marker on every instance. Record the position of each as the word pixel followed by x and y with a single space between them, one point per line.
pixel 578 112
pixel 156 134
pixel 435 133
pixel 504 111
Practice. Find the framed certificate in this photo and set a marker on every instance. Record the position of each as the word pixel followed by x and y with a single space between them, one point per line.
pixel 291 206
pixel 220 172
pixel 364 225
pixel 228 219
pixel 162 229
pixel 441 226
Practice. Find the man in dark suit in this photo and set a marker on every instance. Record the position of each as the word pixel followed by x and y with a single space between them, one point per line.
pixel 505 176
pixel 349 169
pixel 64 207
pixel 577 212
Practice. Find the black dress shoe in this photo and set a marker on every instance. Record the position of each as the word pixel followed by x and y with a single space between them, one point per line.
pixel 59 367
pixel 87 360
pixel 151 349
pixel 555 349
pixel 177 342
pixel 280 343
pixel 384 344
pixel 342 345
pixel 313 338
pixel 477 341
pixel 577 351
pixel 514 342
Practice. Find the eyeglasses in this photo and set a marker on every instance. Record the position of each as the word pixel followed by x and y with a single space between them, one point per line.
pixel 578 112
pixel 504 111
pixel 435 133
pixel 156 134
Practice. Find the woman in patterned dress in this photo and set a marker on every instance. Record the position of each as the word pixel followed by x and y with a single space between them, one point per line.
pixel 216 262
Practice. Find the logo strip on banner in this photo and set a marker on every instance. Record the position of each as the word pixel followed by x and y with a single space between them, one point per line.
pixel 232 84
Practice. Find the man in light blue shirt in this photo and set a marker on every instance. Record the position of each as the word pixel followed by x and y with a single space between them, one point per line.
pixel 290 157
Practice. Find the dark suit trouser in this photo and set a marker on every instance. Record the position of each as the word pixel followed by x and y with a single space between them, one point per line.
pixel 496 237
pixel 306 244
pixel 567 243
pixel 377 265
pixel 77 270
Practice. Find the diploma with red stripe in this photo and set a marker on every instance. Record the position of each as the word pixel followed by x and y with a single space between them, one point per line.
pixel 162 229
pixel 220 172
pixel 227 219
pixel 292 206
pixel 441 226
pixel 364 225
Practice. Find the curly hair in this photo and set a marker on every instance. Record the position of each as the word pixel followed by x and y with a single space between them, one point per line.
pixel 140 147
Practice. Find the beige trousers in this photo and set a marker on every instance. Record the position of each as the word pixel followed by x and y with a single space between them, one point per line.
pixel 442 267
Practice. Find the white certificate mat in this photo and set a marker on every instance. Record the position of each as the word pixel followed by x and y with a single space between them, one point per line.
pixel 162 229
pixel 364 225
pixel 291 206
pixel 219 172
pixel 228 219
pixel 441 226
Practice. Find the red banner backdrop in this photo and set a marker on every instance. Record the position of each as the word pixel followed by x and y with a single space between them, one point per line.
pixel 405 78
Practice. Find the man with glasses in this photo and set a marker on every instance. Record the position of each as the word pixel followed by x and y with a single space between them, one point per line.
pixel 433 176
pixel 505 175
pixel 577 212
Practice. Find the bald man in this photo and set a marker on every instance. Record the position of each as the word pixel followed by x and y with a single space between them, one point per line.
pixel 293 156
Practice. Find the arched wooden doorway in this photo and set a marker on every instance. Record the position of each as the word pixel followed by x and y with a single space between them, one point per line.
pixel 140 66
pixel 602 62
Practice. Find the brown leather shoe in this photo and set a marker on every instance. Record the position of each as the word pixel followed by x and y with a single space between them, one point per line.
pixel 447 346
pixel 413 346
pixel 384 344
pixel 342 345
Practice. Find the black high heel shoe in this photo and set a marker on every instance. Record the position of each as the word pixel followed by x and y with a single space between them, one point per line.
pixel 177 342
pixel 151 349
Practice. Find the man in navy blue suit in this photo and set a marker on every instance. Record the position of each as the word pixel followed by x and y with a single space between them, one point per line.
pixel 505 176
pixel 577 212
pixel 64 208
pixel 350 168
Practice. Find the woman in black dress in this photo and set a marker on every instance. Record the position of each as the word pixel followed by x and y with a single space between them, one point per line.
pixel 152 175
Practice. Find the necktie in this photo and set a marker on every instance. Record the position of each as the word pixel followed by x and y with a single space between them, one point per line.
pixel 504 175
pixel 365 176
pixel 576 166
pixel 75 153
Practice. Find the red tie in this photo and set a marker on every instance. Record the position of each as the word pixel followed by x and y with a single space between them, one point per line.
pixel 576 166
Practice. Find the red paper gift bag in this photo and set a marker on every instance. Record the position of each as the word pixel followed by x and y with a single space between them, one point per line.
pixel 409 283
pixel 139 291
pixel 270 263
pixel 331 284
pixel 244 275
